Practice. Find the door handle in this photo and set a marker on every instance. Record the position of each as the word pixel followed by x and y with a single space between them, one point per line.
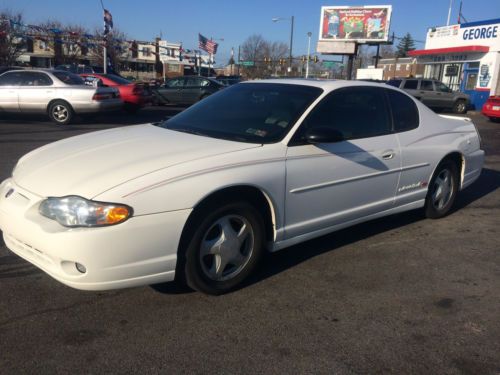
pixel 389 154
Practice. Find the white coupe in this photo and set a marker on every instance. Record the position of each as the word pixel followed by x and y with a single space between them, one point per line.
pixel 258 166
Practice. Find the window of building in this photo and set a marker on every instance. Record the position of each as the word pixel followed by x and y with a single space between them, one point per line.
pixel 404 111
pixel 398 66
pixel 471 82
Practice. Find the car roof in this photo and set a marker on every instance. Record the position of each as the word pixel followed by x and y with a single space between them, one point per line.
pixel 325 84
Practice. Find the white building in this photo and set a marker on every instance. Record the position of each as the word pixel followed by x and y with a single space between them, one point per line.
pixel 465 56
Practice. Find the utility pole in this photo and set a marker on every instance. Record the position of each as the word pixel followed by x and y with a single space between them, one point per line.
pixel 309 34
pixel 449 13
pixel 291 45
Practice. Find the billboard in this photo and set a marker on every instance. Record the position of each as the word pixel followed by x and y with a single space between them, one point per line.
pixel 355 24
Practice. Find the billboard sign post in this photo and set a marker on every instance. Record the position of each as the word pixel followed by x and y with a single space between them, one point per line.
pixel 342 28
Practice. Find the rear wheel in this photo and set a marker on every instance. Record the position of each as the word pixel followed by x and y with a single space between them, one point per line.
pixel 61 112
pixel 460 106
pixel 443 190
pixel 224 248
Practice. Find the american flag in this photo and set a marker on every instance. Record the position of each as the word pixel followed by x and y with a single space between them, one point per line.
pixel 108 21
pixel 207 45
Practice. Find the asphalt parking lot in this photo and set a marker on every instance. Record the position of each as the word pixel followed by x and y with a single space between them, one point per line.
pixel 397 295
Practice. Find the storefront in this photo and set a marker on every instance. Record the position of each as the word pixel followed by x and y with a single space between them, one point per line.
pixel 466 57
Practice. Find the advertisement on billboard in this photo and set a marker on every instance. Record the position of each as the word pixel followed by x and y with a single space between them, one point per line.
pixel 355 24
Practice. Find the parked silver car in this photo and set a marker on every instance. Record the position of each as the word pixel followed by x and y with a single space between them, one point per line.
pixel 60 94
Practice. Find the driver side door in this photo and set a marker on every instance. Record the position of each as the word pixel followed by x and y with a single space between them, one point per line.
pixel 336 183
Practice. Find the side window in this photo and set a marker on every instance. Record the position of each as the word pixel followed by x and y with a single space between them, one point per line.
pixel 394 82
pixel 404 111
pixel 442 87
pixel 356 112
pixel 426 85
pixel 411 84
pixel 34 79
pixel 193 82
pixel 11 79
pixel 176 82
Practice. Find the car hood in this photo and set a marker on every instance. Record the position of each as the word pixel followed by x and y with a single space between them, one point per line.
pixel 90 164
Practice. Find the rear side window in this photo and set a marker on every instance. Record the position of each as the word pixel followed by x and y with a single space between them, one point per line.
pixel 69 78
pixel 394 82
pixel 426 85
pixel 404 111
pixel 356 112
pixel 411 84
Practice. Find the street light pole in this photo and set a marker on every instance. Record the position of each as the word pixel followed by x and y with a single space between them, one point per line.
pixel 292 20
pixel 308 52
pixel 291 44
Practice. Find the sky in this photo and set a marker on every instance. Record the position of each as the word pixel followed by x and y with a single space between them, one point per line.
pixel 236 20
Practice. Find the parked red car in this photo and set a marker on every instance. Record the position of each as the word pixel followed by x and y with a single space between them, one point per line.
pixel 134 95
pixel 491 108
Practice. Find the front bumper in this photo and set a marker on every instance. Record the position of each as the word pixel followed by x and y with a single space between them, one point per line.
pixel 140 251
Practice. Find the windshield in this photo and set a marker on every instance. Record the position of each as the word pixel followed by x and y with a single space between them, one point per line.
pixel 250 112
pixel 117 79
pixel 69 78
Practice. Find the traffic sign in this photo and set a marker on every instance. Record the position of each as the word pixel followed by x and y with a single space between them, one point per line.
pixel 247 63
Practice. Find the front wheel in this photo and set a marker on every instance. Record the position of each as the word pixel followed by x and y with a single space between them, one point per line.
pixel 443 190
pixel 224 249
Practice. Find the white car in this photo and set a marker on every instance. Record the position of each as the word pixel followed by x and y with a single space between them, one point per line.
pixel 257 166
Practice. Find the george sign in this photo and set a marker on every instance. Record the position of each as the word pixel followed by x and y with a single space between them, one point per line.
pixel 480 33
pixel 355 24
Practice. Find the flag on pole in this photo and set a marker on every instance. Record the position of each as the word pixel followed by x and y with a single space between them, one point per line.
pixel 108 21
pixel 207 45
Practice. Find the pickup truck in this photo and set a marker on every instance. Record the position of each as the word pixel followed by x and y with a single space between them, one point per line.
pixel 433 93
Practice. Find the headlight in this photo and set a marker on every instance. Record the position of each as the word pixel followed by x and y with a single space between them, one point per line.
pixel 74 211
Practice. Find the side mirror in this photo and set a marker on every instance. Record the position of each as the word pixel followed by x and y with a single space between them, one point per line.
pixel 323 134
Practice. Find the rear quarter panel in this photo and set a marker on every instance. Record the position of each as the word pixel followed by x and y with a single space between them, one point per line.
pixel 422 150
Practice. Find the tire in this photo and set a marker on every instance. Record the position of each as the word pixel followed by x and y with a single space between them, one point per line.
pixel 460 106
pixel 61 112
pixel 443 190
pixel 217 237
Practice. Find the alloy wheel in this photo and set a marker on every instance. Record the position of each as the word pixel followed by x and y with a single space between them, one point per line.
pixel 60 113
pixel 442 189
pixel 226 247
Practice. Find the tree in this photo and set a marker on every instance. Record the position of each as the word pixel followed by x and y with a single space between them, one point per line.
pixel 116 48
pixel 405 45
pixel 257 49
pixel 12 45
